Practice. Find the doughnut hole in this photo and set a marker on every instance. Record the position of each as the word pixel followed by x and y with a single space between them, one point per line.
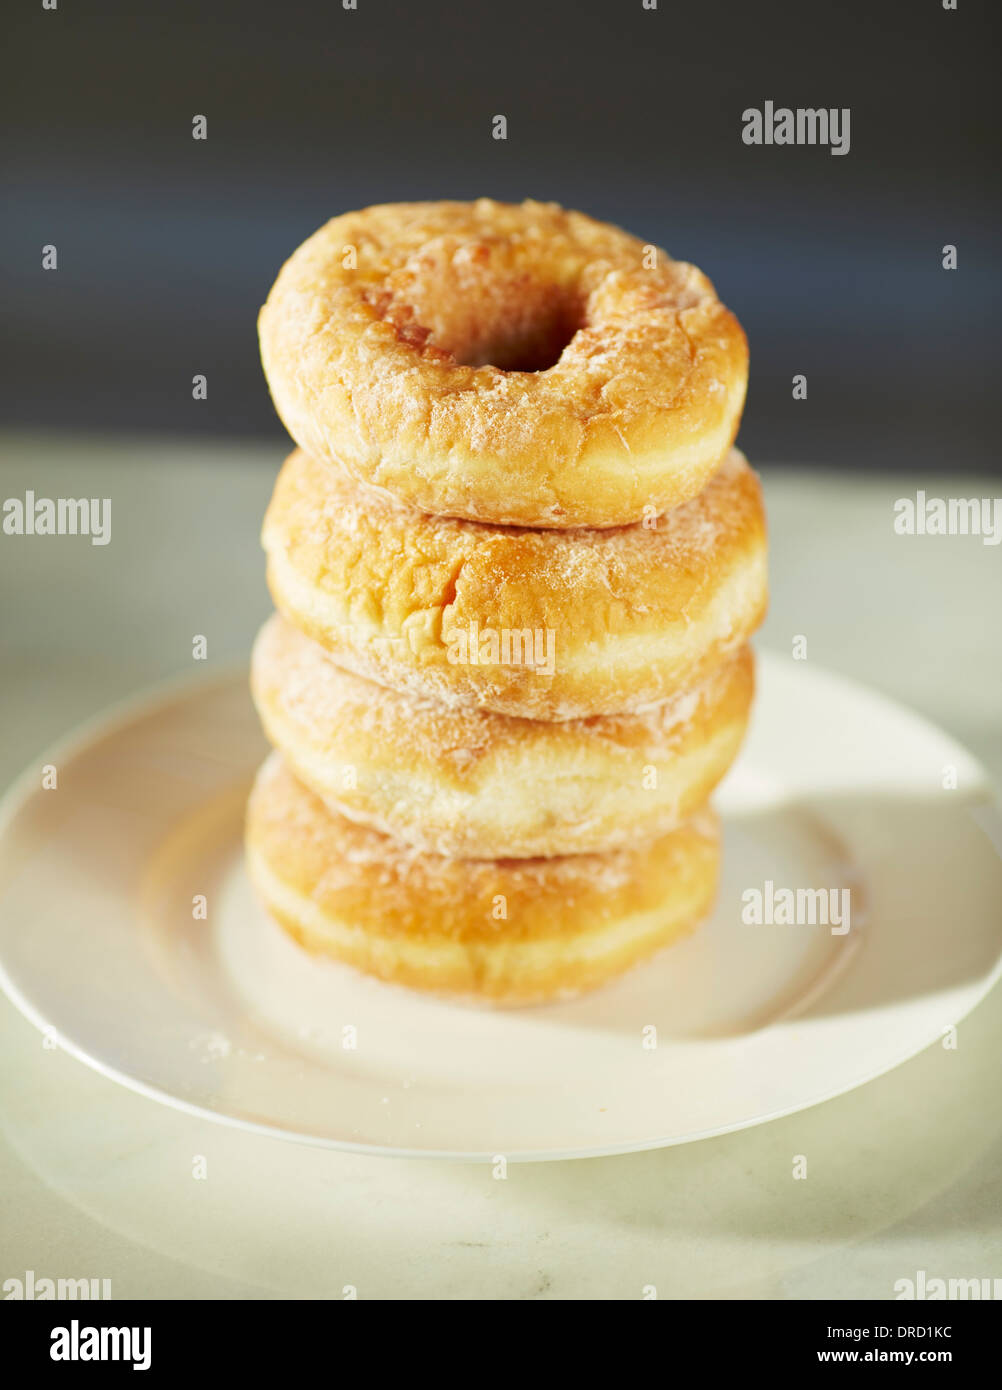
pixel 481 302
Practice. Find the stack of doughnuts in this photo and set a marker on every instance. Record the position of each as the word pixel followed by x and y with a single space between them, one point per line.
pixel 516 562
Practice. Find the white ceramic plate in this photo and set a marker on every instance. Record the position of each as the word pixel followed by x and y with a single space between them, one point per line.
pixel 837 788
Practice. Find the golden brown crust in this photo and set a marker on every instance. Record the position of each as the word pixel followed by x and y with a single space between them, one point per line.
pixel 616 620
pixel 436 923
pixel 393 339
pixel 475 784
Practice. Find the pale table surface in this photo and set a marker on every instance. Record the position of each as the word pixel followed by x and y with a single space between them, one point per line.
pixel 903 1174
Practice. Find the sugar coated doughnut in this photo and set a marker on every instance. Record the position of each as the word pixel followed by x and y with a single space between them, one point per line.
pixel 516 364
pixel 480 785
pixel 515 931
pixel 542 624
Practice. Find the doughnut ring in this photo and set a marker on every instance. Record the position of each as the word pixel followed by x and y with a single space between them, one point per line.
pixel 541 624
pixel 478 785
pixel 516 364
pixel 506 932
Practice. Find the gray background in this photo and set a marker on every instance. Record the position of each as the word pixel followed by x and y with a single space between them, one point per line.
pixel 167 246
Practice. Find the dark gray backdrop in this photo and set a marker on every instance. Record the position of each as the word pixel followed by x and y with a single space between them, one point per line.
pixel 167 246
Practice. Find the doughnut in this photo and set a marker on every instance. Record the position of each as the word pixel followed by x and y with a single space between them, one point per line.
pixel 540 624
pixel 515 364
pixel 498 931
pixel 478 785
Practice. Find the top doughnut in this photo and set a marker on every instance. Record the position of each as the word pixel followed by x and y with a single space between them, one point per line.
pixel 516 364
